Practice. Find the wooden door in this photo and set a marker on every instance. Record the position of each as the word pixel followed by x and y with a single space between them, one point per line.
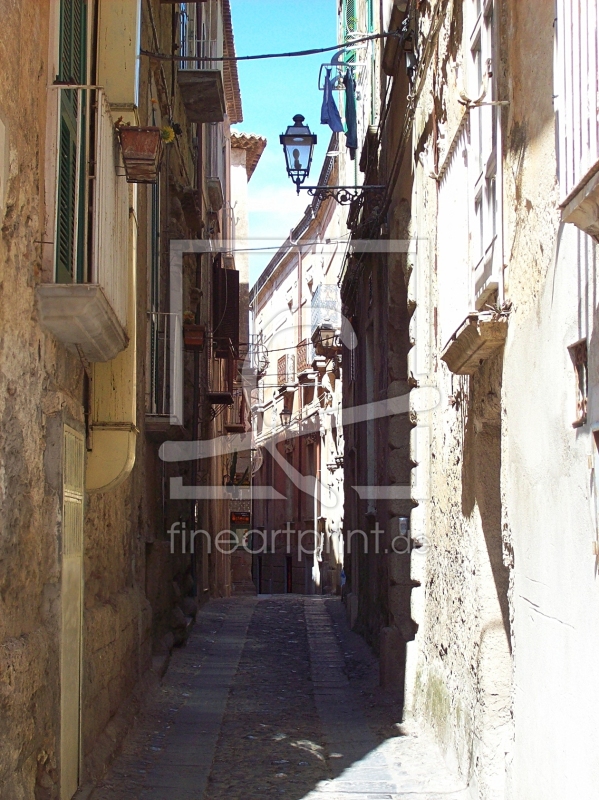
pixel 72 599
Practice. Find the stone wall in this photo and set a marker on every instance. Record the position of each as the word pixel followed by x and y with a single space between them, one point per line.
pixel 549 466
pixel 29 569
pixel 508 511
pixel 42 387
pixel 459 667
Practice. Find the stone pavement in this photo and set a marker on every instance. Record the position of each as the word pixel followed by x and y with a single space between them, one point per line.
pixel 273 697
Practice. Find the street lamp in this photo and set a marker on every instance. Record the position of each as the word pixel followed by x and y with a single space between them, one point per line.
pixel 298 145
pixel 285 417
pixel 325 336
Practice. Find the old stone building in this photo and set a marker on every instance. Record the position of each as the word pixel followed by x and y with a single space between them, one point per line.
pixel 117 216
pixel 297 508
pixel 486 144
pixel 409 419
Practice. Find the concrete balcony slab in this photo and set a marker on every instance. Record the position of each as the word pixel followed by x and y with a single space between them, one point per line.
pixel 80 316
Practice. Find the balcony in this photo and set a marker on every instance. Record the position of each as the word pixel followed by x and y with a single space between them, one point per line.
pixel 285 370
pixel 581 207
pixel 216 198
pixel 236 414
pixel 305 357
pixel 256 362
pixel 164 387
pixel 326 320
pixel 203 94
pixel 478 338
pixel 90 316
pixel 201 81
pixel 576 104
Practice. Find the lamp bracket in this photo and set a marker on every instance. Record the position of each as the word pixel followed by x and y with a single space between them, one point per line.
pixel 344 195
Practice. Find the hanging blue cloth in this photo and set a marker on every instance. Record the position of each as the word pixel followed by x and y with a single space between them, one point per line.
pixel 329 114
pixel 351 114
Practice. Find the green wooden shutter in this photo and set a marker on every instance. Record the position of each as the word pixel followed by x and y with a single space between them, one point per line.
pixel 351 16
pixel 72 40
pixel 65 217
pixel 350 25
pixel 370 15
pixel 72 70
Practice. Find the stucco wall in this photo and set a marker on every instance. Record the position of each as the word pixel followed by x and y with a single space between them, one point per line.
pixel 548 468
pixel 506 642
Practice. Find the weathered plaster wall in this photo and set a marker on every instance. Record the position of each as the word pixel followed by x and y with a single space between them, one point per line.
pixel 459 667
pixel 548 469
pixel 41 389
pixel 29 573
pixel 506 643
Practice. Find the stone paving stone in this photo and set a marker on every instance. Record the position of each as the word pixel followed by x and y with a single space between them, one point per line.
pixel 169 755
pixel 275 698
pixel 400 767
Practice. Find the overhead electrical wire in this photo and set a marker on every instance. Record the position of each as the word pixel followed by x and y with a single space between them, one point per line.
pixel 293 54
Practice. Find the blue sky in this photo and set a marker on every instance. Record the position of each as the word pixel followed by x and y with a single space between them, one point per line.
pixel 273 91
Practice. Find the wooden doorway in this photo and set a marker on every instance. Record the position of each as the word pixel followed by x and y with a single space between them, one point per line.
pixel 72 603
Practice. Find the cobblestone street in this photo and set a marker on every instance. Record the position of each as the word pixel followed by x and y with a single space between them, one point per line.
pixel 274 697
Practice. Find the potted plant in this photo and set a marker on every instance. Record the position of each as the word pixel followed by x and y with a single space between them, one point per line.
pixel 193 334
pixel 142 150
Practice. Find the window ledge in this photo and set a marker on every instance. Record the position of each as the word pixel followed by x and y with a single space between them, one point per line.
pixel 80 316
pixel 478 337
pixel 581 207
pixel 159 428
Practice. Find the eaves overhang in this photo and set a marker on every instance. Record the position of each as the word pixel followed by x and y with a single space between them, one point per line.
pixel 230 73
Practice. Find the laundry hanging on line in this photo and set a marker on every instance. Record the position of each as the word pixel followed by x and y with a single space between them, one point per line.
pixel 329 114
pixel 351 114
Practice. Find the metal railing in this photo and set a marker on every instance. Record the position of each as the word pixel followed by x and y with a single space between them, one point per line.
pixel 165 351
pixel 258 354
pixel 305 356
pixel 236 412
pixel 286 369
pixel 193 38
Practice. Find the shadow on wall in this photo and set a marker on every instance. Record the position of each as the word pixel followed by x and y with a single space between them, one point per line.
pixel 481 471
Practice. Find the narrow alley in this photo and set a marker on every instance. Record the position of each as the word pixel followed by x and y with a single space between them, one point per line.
pixel 299 400
pixel 274 697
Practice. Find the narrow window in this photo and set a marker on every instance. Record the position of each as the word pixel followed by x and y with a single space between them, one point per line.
pixel 71 175
pixel 579 356
pixel 492 209
pixel 478 248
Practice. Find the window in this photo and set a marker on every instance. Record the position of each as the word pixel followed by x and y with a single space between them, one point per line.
pixel 486 259
pixel 477 91
pixel 576 91
pixel 70 225
pixel 478 233
pixel 579 356
pixel 491 198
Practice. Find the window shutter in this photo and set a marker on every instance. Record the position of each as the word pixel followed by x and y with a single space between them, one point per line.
pixel 350 26
pixel 225 311
pixel 66 202
pixel 72 41
pixel 72 70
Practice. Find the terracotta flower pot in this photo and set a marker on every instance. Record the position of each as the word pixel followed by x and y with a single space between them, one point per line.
pixel 142 151
pixel 194 336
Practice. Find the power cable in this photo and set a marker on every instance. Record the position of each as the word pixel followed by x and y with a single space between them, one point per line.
pixel 293 54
